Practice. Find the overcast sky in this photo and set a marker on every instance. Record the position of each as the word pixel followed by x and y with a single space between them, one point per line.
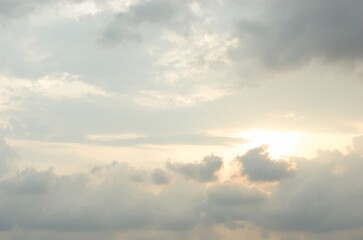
pixel 181 119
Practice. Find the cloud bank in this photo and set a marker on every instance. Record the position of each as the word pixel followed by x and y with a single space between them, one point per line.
pixel 323 195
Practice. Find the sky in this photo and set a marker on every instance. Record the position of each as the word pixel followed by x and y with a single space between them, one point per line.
pixel 181 119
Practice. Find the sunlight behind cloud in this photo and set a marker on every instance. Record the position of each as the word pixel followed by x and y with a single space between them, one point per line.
pixel 280 144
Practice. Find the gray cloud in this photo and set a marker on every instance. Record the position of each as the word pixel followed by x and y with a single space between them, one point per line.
pixel 104 200
pixel 358 144
pixel 6 155
pixel 323 196
pixel 204 171
pixel 17 8
pixel 234 194
pixel 74 203
pixel 161 13
pixel 160 177
pixel 258 166
pixel 28 182
pixel 229 203
pixel 294 32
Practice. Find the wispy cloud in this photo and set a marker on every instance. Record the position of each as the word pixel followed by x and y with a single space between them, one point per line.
pixel 14 91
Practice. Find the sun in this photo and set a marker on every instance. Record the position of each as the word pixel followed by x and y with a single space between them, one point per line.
pixel 280 144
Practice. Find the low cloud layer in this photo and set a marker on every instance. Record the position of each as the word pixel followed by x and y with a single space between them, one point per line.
pixel 323 195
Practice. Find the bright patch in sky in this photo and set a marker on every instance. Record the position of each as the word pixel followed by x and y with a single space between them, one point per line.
pixel 280 144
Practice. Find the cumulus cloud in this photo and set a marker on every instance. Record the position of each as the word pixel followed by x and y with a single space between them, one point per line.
pixel 75 202
pixel 104 199
pixel 257 165
pixel 160 177
pixel 107 199
pixel 289 33
pixel 319 198
pixel 229 194
pixel 204 171
pixel 232 203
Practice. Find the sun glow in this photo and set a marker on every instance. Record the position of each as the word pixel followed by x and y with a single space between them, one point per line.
pixel 280 144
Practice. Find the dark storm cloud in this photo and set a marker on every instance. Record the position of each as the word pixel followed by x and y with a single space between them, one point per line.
pixel 204 171
pixel 258 166
pixel 293 32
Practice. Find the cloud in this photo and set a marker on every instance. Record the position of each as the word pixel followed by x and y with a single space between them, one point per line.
pixel 259 167
pixel 65 8
pixel 229 194
pixel 72 203
pixel 358 144
pixel 167 100
pixel 291 33
pixel 15 92
pixel 204 171
pixel 64 86
pixel 160 13
pixel 17 8
pixel 316 200
pixel 160 177
pixel 231 203
pixel 6 154
pixel 28 182
pixel 129 139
